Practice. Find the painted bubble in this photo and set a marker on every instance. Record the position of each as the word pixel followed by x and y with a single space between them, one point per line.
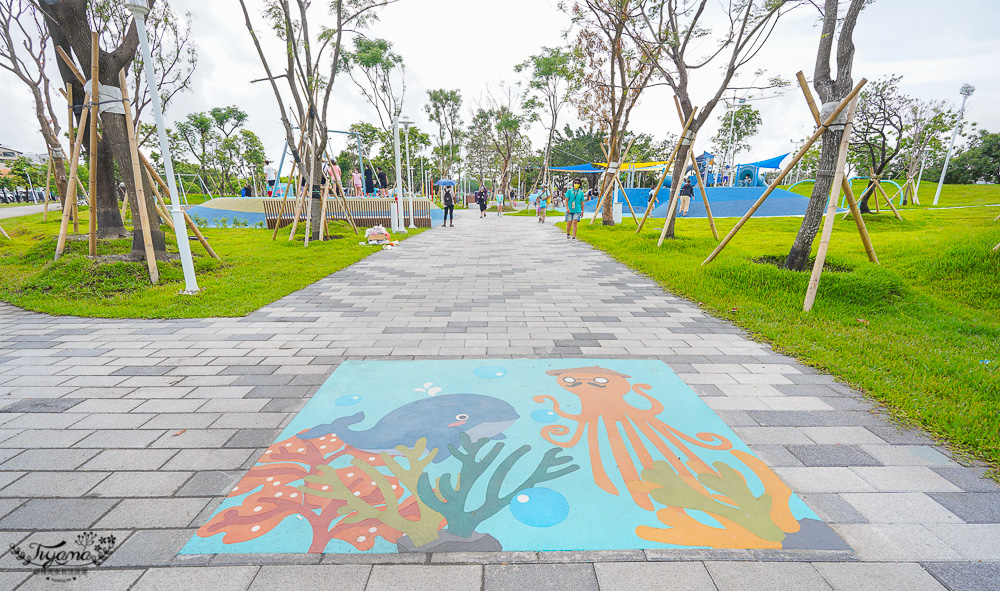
pixel 544 416
pixel 490 372
pixel 539 507
pixel 347 400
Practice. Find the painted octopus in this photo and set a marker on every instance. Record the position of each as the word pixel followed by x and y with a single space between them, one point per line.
pixel 602 397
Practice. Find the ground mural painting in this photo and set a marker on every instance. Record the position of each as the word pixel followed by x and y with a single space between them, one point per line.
pixel 518 455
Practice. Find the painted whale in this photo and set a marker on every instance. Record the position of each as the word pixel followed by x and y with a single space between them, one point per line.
pixel 440 419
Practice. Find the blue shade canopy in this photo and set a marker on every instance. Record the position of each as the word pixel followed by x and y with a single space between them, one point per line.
pixel 445 183
pixel 582 168
pixel 770 163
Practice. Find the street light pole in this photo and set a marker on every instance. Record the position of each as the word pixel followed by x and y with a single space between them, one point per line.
pixel 409 170
pixel 398 201
pixel 139 12
pixel 966 92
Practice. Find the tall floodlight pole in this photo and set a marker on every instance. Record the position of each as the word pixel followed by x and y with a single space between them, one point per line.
pixel 398 218
pixel 139 12
pixel 409 169
pixel 966 92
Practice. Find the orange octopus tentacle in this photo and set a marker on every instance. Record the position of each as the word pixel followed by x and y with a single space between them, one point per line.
pixel 640 389
pixel 663 448
pixel 640 448
pixel 560 430
pixel 672 434
pixel 626 467
pixel 555 407
pixel 596 466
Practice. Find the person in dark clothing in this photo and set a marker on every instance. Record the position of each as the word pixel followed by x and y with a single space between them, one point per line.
pixel 449 208
pixel 383 183
pixel 369 182
pixel 482 201
pixel 687 192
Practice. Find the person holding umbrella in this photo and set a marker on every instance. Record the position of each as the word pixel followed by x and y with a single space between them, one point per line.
pixel 449 207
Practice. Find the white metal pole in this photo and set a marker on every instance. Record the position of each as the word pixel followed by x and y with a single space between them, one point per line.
pixel 409 175
pixel 139 11
pixel 398 219
pixel 732 150
pixel 916 192
pixel 947 160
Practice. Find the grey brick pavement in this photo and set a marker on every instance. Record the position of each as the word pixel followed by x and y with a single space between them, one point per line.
pixel 139 427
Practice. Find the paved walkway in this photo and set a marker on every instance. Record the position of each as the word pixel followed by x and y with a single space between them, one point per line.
pixel 139 427
pixel 23 210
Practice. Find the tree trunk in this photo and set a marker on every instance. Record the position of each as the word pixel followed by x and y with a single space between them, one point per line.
pixel 61 178
pixel 798 256
pixel 116 136
pixel 109 217
pixel 614 154
pixel 675 185
pixel 863 205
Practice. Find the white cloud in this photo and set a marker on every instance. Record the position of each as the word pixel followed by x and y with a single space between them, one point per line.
pixel 470 44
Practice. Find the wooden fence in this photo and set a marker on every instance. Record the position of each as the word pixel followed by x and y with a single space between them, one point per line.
pixel 367 212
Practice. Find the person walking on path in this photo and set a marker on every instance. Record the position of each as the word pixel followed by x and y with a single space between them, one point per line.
pixel 542 201
pixel 449 208
pixel 356 180
pixel 271 175
pixel 499 202
pixel 574 208
pixel 687 192
pixel 481 201
pixel 383 183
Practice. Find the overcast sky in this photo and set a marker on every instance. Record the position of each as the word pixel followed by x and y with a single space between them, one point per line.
pixel 474 44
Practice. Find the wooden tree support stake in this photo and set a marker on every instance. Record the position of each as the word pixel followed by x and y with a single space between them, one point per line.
pixel 666 171
pixel 697 172
pixel 675 185
pixel 187 219
pixel 140 194
pixel 95 97
pixel 621 188
pixel 610 189
pixel 788 168
pixel 68 207
pixel 48 181
pixel 848 191
pixel 831 210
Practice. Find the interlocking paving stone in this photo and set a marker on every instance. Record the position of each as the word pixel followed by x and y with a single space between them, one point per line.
pixel 129 459
pixel 552 577
pixel 106 580
pixel 48 514
pixel 766 576
pixel 149 548
pixel 42 405
pixel 218 578
pixel 965 576
pixel 49 459
pixel 897 542
pixel 973 541
pixel 968 479
pixel 345 578
pixel 832 455
pixel 878 577
pixel 900 508
pixel 53 484
pixel 140 484
pixel 426 578
pixel 153 513
pixel 659 576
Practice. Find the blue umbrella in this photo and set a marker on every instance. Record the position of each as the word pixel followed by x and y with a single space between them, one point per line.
pixel 445 183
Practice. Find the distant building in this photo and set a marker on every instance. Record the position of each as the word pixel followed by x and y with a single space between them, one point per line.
pixel 8 155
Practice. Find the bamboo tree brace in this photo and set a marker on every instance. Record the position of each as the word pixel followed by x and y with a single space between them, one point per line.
pixel 788 168
pixel 831 209
pixel 140 195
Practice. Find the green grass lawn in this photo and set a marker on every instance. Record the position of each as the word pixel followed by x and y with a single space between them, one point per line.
pixel 951 195
pixel 253 272
pixel 920 333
